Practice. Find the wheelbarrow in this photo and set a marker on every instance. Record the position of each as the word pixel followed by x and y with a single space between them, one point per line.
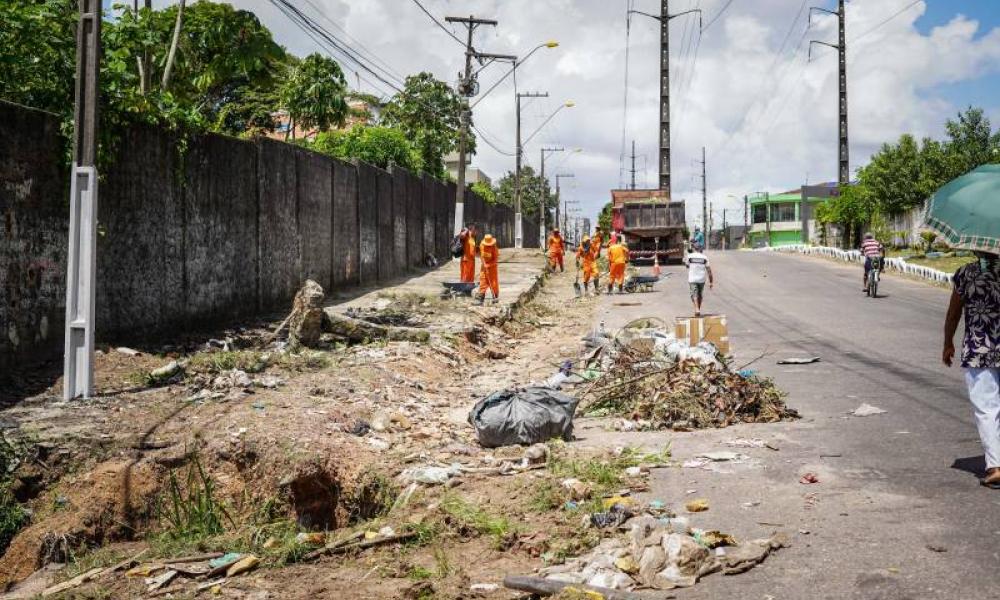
pixel 453 289
pixel 642 283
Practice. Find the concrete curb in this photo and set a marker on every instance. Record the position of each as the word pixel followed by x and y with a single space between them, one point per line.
pixel 894 264
pixel 511 310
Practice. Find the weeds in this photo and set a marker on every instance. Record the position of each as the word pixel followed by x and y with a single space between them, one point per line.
pixel 419 574
pixel 373 497
pixel 191 510
pixel 468 515
pixel 12 515
pixel 308 360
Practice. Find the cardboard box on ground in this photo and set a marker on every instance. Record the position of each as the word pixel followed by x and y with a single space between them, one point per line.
pixel 698 329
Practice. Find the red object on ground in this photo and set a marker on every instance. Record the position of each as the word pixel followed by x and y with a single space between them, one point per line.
pixel 809 478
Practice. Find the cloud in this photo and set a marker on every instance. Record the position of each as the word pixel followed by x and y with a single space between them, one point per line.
pixel 768 119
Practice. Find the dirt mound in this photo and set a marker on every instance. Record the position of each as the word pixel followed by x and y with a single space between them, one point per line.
pixel 113 502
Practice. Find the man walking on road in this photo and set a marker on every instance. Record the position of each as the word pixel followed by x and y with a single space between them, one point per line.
pixel 977 295
pixel 699 270
pixel 617 259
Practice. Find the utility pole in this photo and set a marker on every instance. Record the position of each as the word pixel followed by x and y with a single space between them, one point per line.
pixel 724 233
pixel 78 366
pixel 466 89
pixel 844 166
pixel 559 198
pixel 704 193
pixel 632 187
pixel 518 223
pixel 545 195
pixel 664 18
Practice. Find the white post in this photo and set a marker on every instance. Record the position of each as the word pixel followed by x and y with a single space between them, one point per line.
pixel 81 279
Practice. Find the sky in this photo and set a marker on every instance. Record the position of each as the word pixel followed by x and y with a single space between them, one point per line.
pixel 744 88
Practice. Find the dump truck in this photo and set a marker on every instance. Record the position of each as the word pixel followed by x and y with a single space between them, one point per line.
pixel 651 223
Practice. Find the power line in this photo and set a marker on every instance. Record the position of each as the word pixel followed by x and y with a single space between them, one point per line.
pixel 490 143
pixel 894 15
pixel 353 39
pixel 717 15
pixel 439 23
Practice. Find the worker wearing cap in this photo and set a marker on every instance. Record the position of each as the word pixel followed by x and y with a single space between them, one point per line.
pixel 557 248
pixel 586 262
pixel 617 259
pixel 468 264
pixel 489 256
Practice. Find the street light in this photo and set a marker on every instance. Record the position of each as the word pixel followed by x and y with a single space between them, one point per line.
pixel 517 62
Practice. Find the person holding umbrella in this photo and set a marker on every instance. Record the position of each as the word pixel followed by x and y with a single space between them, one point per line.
pixel 965 213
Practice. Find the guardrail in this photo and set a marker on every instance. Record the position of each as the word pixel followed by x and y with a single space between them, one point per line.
pixel 893 264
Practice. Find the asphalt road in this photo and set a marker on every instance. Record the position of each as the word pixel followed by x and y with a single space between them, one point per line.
pixel 898 512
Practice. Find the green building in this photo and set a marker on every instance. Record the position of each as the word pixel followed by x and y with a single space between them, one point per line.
pixel 787 218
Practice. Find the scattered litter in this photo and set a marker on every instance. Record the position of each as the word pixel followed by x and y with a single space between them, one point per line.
pixel 525 416
pixel 722 456
pixel 615 516
pixel 484 587
pixel 697 505
pixel 431 475
pixel 578 490
pixel 654 555
pixel 225 560
pixel 127 351
pixel 867 410
pixel 746 443
pixel 243 565
pixel 935 548
pixel 165 372
pixel 809 478
pixel 749 505
pixel 359 428
pixel 634 472
pixel 311 539
pixel 746 373
pixel 799 361
pixel 157 582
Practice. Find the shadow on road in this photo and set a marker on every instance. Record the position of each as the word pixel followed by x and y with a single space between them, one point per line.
pixel 975 465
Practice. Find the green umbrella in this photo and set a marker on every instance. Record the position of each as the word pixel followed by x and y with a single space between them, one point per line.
pixel 966 211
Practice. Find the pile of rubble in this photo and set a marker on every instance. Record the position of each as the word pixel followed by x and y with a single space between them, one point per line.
pixel 652 378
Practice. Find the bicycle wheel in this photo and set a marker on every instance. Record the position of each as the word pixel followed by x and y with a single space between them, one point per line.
pixel 874 287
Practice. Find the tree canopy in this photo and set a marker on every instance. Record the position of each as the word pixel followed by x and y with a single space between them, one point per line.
pixel 533 189
pixel 902 175
pixel 428 111
pixel 228 76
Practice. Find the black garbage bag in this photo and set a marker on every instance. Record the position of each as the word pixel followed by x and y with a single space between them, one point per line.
pixel 524 416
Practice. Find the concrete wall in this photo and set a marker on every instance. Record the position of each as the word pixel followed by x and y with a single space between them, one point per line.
pixel 205 232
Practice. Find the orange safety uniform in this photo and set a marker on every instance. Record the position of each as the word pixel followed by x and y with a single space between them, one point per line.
pixel 595 245
pixel 468 264
pixel 587 262
pixel 489 256
pixel 617 259
pixel 557 248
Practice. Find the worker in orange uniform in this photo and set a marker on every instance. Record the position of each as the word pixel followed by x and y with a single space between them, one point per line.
pixel 596 243
pixel 489 256
pixel 468 264
pixel 586 262
pixel 557 248
pixel 617 259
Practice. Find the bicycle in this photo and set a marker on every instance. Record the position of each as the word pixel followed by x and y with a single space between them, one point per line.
pixel 874 275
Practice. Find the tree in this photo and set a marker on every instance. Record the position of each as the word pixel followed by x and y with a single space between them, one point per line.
pixel 38 53
pixel 314 94
pixel 892 178
pixel 485 191
pixel 532 191
pixel 428 111
pixel 379 146
pixel 971 142
pixel 604 219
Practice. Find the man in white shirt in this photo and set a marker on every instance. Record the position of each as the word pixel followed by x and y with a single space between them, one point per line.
pixel 699 270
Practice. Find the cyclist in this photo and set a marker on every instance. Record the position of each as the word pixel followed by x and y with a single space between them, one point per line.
pixel 870 249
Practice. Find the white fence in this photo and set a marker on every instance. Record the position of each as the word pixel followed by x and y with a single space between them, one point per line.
pixel 892 264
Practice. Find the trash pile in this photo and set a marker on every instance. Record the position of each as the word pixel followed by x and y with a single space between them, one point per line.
pixel 647 375
pixel 663 553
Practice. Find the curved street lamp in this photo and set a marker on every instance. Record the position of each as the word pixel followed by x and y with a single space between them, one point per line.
pixel 517 63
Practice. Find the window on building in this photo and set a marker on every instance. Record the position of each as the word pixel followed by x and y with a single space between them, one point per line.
pixel 760 213
pixel 783 212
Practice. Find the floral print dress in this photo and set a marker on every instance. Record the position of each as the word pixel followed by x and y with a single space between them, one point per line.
pixel 978 284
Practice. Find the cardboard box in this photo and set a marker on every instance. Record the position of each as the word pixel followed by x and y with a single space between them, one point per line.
pixel 709 329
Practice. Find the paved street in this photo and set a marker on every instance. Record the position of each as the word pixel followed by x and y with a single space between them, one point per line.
pixel 897 512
